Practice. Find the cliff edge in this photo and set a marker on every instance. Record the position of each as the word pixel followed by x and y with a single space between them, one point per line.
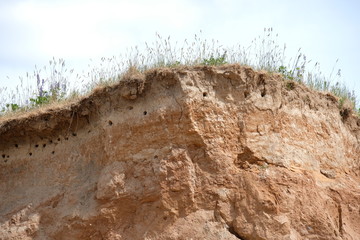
pixel 184 153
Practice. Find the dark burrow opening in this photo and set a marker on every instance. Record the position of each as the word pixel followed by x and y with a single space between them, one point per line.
pixel 263 92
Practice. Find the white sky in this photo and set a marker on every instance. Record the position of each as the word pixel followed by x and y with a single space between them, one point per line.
pixel 34 31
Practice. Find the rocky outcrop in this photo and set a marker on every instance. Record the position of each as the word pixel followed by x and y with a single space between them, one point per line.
pixel 186 153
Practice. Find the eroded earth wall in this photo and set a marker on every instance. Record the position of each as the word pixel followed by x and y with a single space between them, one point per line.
pixel 185 153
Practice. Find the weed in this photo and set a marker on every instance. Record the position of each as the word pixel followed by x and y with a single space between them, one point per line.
pixel 341 102
pixel 175 64
pixel 10 107
pixel 215 61
pixel 296 74
pixel 39 100
pixel 56 83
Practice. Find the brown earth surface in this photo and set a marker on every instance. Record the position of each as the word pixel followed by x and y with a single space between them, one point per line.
pixel 186 153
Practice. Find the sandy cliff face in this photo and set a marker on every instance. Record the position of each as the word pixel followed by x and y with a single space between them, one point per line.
pixel 191 153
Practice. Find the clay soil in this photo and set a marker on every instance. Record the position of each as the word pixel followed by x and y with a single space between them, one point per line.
pixel 184 153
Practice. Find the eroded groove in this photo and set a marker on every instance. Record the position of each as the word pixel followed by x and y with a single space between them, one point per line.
pixel 233 232
pixel 340 219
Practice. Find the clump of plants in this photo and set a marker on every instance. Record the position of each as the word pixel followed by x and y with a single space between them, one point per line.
pixel 52 88
pixel 212 61
pixel 10 107
pixel 55 83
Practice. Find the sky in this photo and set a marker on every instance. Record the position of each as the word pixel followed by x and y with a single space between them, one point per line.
pixel 32 32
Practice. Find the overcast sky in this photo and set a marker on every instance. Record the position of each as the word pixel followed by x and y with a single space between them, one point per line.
pixel 34 31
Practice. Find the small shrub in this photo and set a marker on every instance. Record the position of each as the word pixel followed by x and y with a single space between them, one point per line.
pixel 286 74
pixel 215 61
pixel 40 100
pixel 10 107
pixel 296 74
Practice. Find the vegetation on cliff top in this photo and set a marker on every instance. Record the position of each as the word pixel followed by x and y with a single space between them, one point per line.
pixel 56 83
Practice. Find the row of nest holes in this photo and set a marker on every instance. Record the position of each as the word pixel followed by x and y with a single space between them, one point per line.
pixel 53 152
pixel 30 153
pixel 246 94
pixel 59 139
pixel 4 156
pixel 111 123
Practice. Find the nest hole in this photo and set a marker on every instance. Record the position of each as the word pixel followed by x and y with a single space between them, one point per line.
pixel 263 93
pixel 246 94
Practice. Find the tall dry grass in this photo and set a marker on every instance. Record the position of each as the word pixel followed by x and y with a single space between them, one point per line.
pixel 56 83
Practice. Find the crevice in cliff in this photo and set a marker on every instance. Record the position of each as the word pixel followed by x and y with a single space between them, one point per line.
pixel 340 219
pixel 181 109
pixel 247 158
pixel 233 232
pixel 336 196
pixel 262 84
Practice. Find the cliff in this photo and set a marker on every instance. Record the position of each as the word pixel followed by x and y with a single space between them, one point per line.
pixel 185 153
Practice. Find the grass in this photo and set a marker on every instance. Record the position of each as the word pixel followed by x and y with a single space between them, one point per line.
pixel 55 83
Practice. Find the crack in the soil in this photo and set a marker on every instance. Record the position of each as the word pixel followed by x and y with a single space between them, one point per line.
pixel 181 109
pixel 340 219
pixel 233 232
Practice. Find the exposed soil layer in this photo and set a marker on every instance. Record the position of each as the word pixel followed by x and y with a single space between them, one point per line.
pixel 185 153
